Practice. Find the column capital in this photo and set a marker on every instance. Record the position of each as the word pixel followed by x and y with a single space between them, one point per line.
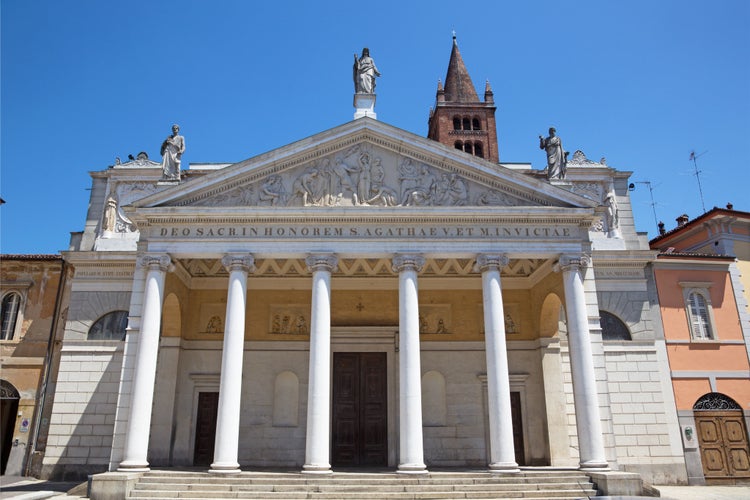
pixel 321 262
pixel 491 262
pixel 407 262
pixel 572 262
pixel 238 262
pixel 155 261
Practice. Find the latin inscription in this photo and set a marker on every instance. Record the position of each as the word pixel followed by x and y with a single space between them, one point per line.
pixel 431 232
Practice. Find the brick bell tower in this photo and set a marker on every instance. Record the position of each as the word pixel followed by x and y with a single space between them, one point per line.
pixel 459 119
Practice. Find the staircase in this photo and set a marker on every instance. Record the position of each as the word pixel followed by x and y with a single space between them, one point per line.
pixel 529 485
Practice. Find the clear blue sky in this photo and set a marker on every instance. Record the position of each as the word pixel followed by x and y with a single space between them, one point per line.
pixel 640 82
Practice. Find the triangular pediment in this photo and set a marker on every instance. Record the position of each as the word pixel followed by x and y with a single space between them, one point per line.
pixel 364 163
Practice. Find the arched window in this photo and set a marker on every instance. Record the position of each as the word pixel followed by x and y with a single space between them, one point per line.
pixel 467 124
pixel 475 124
pixel 111 326
pixel 468 148
pixel 478 149
pixel 612 327
pixel 459 145
pixel 699 315
pixel 9 313
pixel 456 123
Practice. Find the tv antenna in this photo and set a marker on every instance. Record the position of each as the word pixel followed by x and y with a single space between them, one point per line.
pixel 631 187
pixel 694 157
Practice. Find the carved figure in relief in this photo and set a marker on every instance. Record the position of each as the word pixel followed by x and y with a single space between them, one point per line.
pixel 408 177
pixel 425 191
pixel 382 195
pixel 344 180
pixel 214 325
pixel 510 325
pixel 306 187
pixel 276 326
pixel 110 215
pixel 171 151
pixel 556 158
pixel 272 192
pixel 495 198
pixel 458 193
pixel 364 73
pixel 422 324
pixel 364 179
pixel 441 326
pixel 285 324
pixel 613 215
pixel 301 325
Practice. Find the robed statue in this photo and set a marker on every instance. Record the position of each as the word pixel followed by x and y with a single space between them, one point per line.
pixel 364 73
pixel 557 160
pixel 171 151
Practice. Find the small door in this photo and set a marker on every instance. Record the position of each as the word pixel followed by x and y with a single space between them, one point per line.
pixel 723 444
pixel 515 411
pixel 205 428
pixel 359 416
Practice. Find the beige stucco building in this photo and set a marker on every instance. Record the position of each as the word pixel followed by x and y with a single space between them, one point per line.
pixel 364 297
pixel 30 288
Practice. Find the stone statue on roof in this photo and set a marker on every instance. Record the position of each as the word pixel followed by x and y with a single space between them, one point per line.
pixel 171 151
pixel 557 159
pixel 364 73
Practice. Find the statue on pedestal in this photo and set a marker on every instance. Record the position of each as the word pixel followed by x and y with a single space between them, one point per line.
pixel 364 73
pixel 171 151
pixel 557 159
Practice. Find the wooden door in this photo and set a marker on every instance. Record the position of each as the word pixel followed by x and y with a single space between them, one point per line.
pixel 359 416
pixel 205 428
pixel 515 411
pixel 723 443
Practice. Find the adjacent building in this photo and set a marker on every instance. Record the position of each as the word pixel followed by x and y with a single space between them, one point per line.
pixel 365 297
pixel 702 275
pixel 30 289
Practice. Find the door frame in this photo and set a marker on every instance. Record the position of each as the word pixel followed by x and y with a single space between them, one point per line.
pixel 372 339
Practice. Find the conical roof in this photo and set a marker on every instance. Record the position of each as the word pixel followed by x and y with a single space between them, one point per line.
pixel 458 84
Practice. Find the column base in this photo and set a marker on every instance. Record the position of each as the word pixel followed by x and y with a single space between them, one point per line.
pixel 412 469
pixel 504 468
pixel 224 468
pixel 133 466
pixel 316 469
pixel 594 465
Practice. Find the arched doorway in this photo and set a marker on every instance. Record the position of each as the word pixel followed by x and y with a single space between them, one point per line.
pixel 8 409
pixel 722 436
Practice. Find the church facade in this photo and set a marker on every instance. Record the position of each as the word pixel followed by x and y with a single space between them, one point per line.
pixel 364 297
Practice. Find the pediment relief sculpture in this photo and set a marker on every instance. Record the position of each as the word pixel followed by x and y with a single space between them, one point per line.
pixel 360 176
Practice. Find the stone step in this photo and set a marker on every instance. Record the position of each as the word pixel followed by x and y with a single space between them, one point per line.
pixel 337 486
pixel 432 479
pixel 455 495
pixel 527 485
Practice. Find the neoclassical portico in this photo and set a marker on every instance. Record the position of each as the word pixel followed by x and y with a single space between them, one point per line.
pixel 407 266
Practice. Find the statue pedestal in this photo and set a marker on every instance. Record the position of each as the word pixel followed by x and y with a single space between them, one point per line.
pixel 365 106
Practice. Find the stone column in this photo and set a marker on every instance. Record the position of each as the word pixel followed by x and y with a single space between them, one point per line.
pixel 144 375
pixel 502 451
pixel 230 384
pixel 411 449
pixel 317 444
pixel 585 397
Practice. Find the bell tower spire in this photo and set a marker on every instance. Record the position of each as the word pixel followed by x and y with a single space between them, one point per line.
pixel 459 118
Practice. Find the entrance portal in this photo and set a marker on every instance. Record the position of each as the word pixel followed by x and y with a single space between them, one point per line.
pixel 360 423
pixel 205 428
pixel 722 436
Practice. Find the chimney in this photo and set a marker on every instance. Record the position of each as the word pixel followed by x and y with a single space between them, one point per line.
pixel 682 220
pixel 662 231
